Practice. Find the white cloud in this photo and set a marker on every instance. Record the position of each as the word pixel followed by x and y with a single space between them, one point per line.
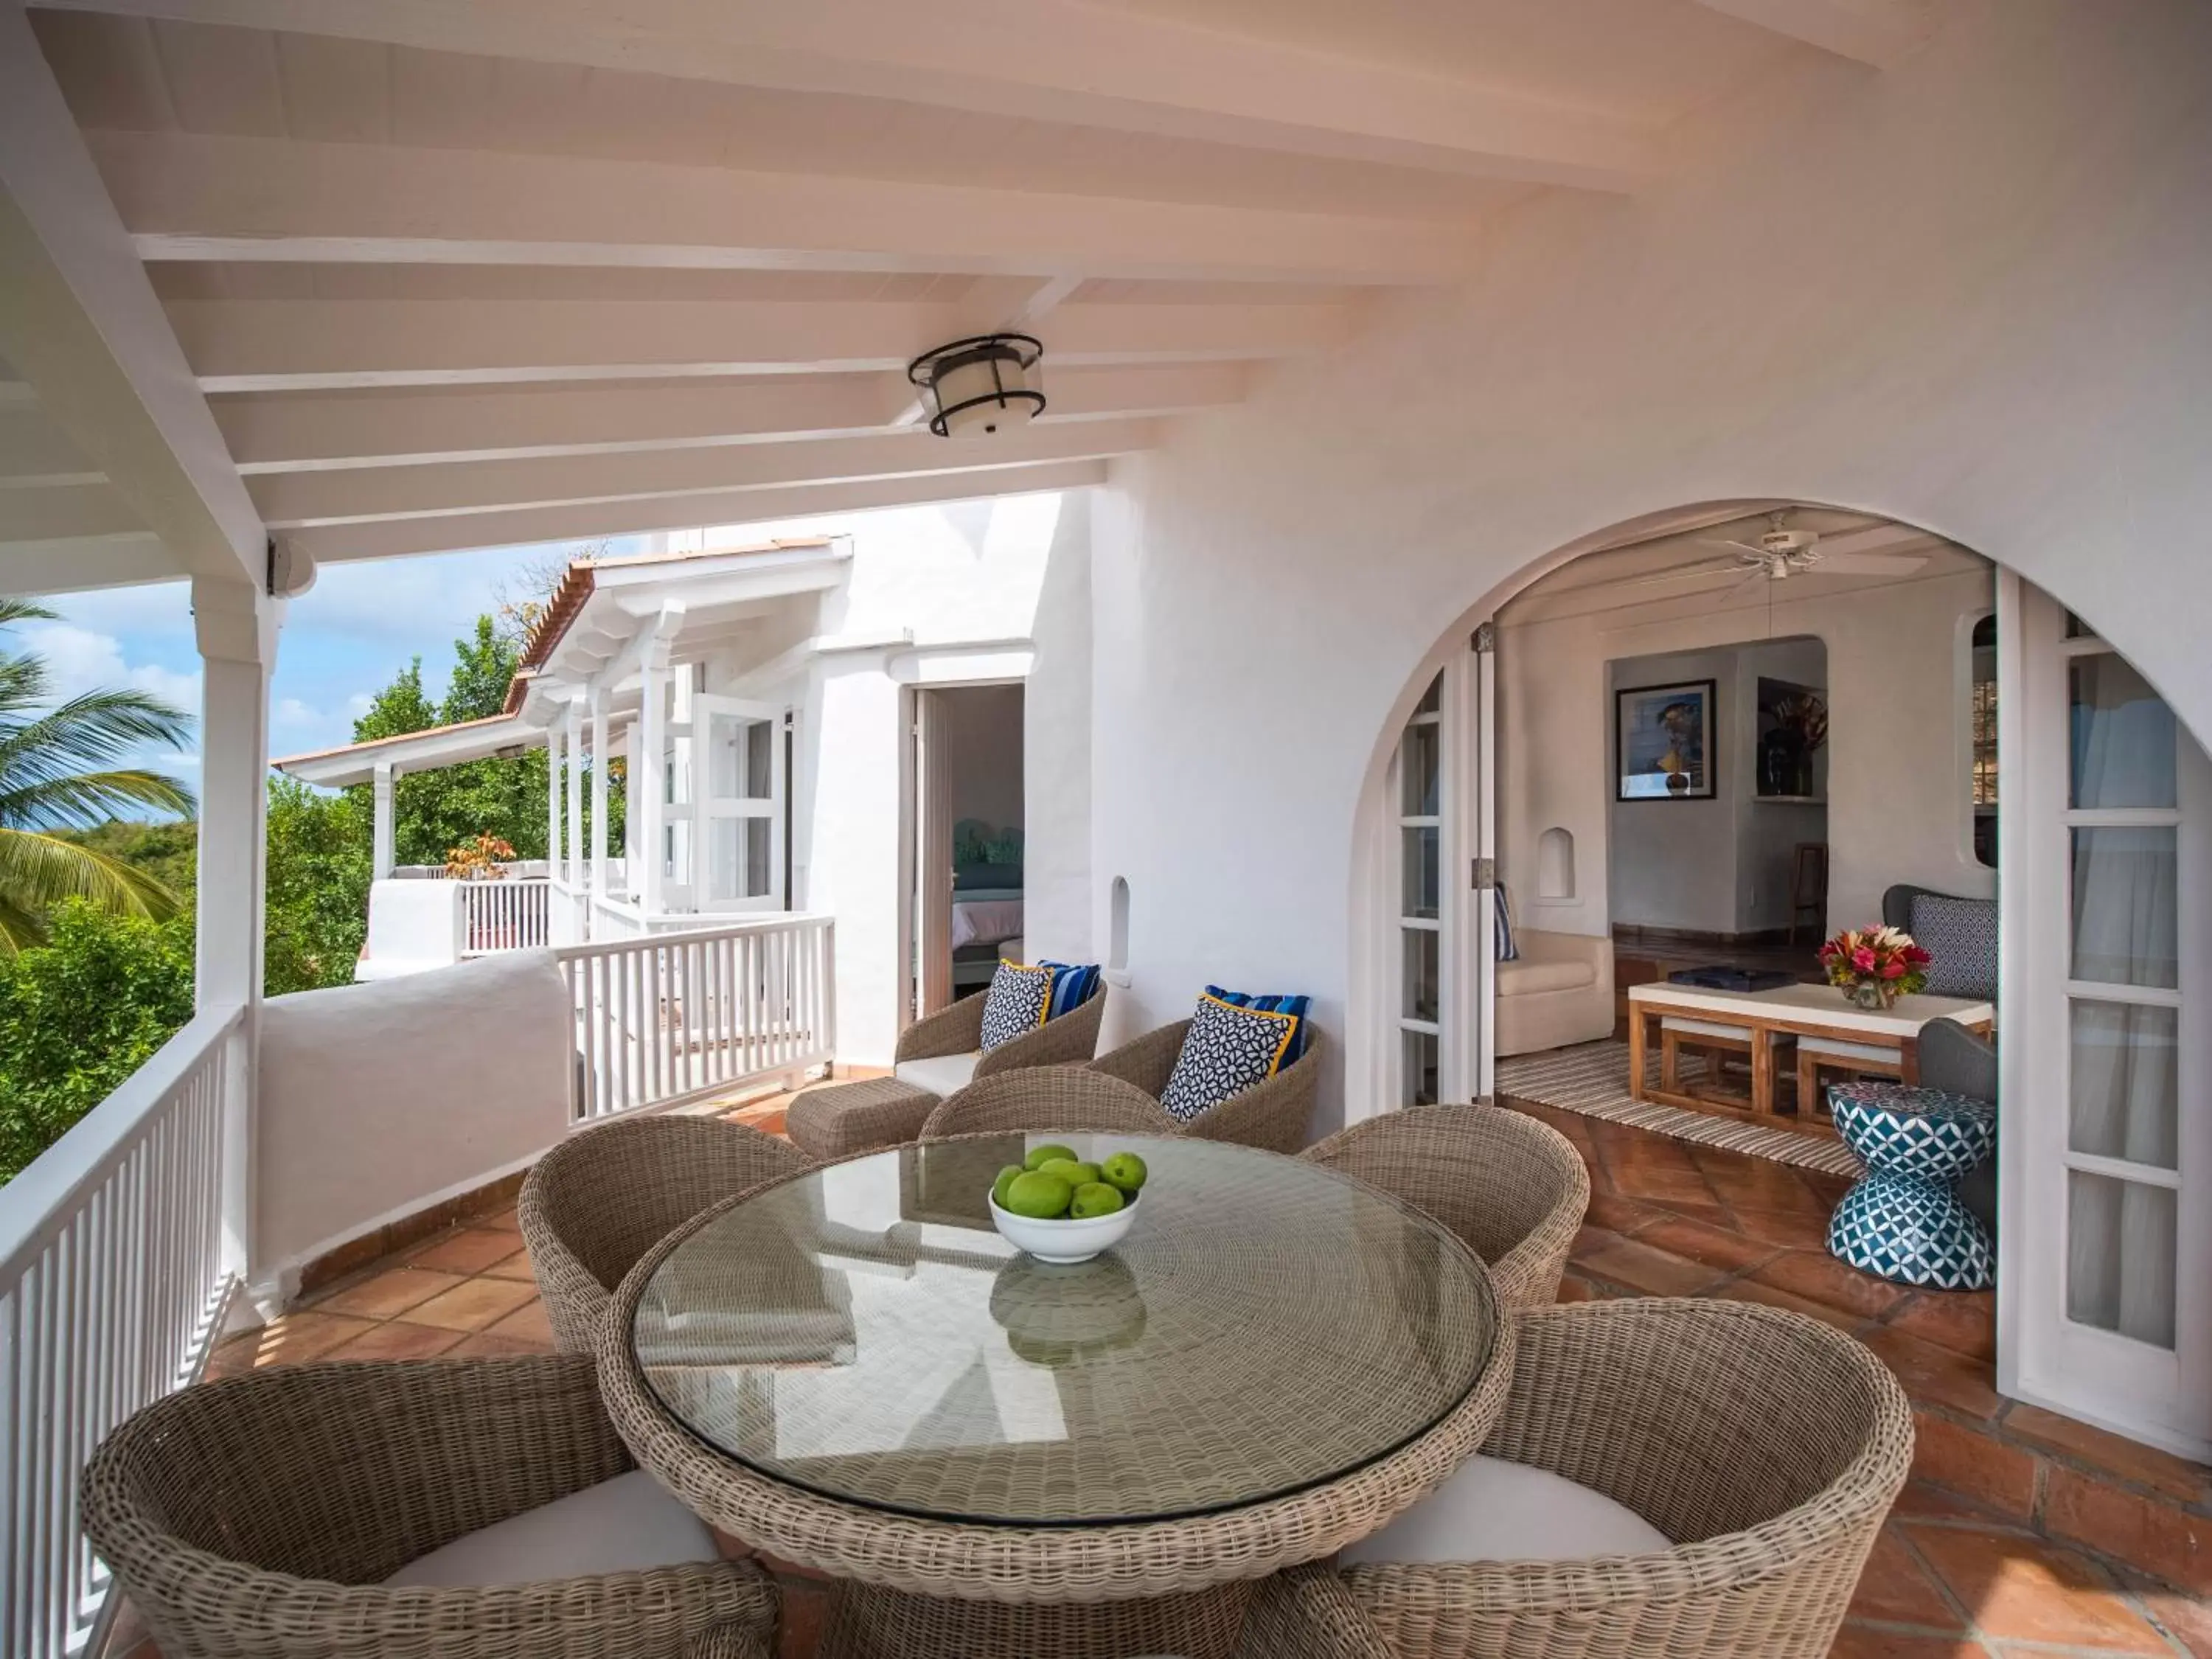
pixel 79 661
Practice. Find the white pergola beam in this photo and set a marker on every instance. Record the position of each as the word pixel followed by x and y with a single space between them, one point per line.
pixel 530 525
pixel 63 511
pixel 308 433
pixel 69 564
pixel 1054 61
pixel 79 321
pixel 306 345
pixel 197 197
pixel 1880 34
pixel 301 500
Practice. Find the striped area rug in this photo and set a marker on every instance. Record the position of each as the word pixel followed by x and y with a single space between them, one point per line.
pixel 1592 1079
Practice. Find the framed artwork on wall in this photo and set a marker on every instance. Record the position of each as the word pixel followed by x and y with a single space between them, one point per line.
pixel 1663 742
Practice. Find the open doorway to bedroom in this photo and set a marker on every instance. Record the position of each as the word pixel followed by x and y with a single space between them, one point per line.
pixel 968 798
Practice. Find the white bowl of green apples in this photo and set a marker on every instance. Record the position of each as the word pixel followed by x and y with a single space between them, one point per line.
pixel 1061 1209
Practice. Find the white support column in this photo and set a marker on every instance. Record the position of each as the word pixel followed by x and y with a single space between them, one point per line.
pixel 652 741
pixel 575 744
pixel 383 840
pixel 602 751
pixel 553 762
pixel 236 628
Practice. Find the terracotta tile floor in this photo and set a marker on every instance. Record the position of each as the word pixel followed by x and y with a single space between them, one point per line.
pixel 2022 1534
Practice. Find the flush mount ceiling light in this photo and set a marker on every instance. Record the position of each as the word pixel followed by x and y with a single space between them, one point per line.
pixel 980 386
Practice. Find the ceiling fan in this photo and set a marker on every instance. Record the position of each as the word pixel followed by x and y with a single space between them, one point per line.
pixel 1782 552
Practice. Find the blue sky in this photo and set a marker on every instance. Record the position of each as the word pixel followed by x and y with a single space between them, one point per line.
pixel 343 641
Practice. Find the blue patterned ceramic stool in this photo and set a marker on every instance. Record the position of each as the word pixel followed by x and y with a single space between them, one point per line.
pixel 1903 1221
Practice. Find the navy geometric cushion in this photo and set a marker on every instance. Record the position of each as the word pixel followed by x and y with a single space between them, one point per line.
pixel 1228 1050
pixel 1019 1001
pixel 1960 938
pixel 1508 949
pixel 1295 1006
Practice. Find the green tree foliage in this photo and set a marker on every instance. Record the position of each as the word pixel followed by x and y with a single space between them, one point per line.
pixel 79 1013
pixel 317 886
pixel 435 812
pixel 167 852
pixel 60 769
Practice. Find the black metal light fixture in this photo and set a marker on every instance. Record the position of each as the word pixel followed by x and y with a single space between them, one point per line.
pixel 980 386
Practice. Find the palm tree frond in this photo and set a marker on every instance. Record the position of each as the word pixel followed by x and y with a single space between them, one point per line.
pixel 38 872
pixel 98 729
pixel 19 929
pixel 83 799
pixel 13 610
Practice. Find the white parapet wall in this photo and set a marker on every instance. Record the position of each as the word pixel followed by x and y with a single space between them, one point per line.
pixel 413 926
pixel 376 1101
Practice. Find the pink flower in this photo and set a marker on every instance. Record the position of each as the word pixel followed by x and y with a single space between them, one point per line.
pixel 1916 956
pixel 1893 969
pixel 1862 959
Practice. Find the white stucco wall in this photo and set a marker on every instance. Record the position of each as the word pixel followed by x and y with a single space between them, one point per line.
pixel 1056 742
pixel 1897 764
pixel 1968 293
pixel 941 594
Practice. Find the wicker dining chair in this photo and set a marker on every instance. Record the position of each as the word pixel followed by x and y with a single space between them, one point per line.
pixel 1072 1098
pixel 1768 1445
pixel 1272 1115
pixel 1513 1189
pixel 257 1518
pixel 604 1197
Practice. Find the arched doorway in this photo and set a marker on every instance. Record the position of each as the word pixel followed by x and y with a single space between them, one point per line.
pixel 1960 698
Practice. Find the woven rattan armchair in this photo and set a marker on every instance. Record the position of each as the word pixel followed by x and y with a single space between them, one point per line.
pixel 1272 1115
pixel 1049 1097
pixel 256 1518
pixel 1068 1040
pixel 1513 1188
pixel 1770 1446
pixel 602 1199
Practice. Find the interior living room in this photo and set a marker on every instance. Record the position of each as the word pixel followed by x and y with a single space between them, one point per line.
pixel 1715 748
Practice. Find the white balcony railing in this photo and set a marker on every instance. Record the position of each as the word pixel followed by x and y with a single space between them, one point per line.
pixel 114 1272
pixel 677 1016
pixel 512 913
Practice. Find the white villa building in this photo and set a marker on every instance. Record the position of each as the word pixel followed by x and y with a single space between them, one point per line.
pixel 1401 363
pixel 795 691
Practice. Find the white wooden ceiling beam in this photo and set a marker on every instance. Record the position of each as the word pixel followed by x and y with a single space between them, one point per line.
pixel 280 345
pixel 79 321
pixel 1880 34
pixel 528 527
pixel 298 500
pixel 310 433
pixel 63 511
pixel 33 451
pixel 200 197
pixel 71 563
pixel 1055 61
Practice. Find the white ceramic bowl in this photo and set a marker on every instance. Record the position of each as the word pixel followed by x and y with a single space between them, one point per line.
pixel 1069 1239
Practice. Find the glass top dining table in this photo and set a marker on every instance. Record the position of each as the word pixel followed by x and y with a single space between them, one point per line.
pixel 862 1332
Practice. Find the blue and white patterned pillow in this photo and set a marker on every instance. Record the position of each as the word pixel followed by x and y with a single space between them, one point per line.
pixel 1072 985
pixel 1228 1050
pixel 1018 1001
pixel 1271 1004
pixel 1960 938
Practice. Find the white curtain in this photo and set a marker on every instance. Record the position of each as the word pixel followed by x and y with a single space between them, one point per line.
pixel 2121 1241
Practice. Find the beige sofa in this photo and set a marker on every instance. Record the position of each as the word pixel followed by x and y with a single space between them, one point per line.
pixel 1557 991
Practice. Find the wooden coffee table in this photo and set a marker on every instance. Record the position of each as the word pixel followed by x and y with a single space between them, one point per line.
pixel 1768 1019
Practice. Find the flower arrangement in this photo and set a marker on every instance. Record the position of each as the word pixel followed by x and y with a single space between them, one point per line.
pixel 1875 966
pixel 478 859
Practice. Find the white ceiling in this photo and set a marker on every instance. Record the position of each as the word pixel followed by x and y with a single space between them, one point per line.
pixel 387 278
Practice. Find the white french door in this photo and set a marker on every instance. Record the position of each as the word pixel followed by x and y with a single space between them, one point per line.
pixel 737 813
pixel 1443 798
pixel 2105 1099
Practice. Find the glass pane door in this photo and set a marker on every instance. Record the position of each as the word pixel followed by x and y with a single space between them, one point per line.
pixel 740 808
pixel 1421 795
pixel 2103 1045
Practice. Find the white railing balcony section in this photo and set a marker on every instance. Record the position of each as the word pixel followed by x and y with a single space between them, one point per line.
pixel 114 1274
pixel 675 1017
pixel 505 915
